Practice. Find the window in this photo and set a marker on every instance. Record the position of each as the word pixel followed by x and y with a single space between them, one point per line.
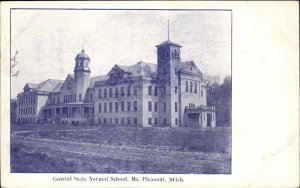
pixel 100 107
pixel 162 53
pixel 195 91
pixel 128 106
pixel 163 90
pixel 149 90
pixel 99 120
pixel 135 121
pixel 122 91
pixel 105 107
pixel 105 93
pixel 191 87
pixel 100 93
pixel 134 90
pixel 104 120
pixel 116 92
pixel 155 106
pixel 128 121
pixel 110 120
pixel 116 106
pixel 165 107
pixel 155 91
pixel 122 106
pixel 91 97
pixel 201 93
pixel 122 120
pixel 155 121
pixel 176 121
pixel 135 106
pixel 149 106
pixel 175 106
pixel 165 121
pixel 149 121
pixel 128 90
pixel 110 92
pixel 186 86
pixel 110 107
pixel 117 120
pixel 175 89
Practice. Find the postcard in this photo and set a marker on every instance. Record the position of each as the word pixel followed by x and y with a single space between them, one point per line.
pixel 103 94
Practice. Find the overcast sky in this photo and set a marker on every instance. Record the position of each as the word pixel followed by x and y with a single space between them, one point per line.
pixel 49 40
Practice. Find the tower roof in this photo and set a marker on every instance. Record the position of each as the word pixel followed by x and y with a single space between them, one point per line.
pixel 82 56
pixel 168 42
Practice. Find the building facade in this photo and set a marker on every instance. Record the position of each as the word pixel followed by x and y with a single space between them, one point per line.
pixel 170 93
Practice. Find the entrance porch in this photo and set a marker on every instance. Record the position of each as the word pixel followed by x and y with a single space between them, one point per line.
pixel 68 114
pixel 202 116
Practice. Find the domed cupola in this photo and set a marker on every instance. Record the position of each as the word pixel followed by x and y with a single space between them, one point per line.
pixel 82 61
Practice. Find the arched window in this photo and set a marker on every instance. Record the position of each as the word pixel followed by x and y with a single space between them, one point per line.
pixel 195 91
pixel 186 86
pixel 191 87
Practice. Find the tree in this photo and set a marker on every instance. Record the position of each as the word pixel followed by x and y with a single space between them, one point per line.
pixel 220 96
pixel 13 110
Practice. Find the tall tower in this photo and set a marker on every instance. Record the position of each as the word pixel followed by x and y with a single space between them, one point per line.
pixel 82 73
pixel 168 62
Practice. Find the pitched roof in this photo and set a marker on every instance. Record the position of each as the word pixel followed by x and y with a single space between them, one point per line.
pixel 186 65
pixel 168 42
pixel 97 79
pixel 58 87
pixel 32 85
pixel 48 85
pixel 140 68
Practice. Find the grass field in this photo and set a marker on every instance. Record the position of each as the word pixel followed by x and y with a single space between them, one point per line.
pixel 93 149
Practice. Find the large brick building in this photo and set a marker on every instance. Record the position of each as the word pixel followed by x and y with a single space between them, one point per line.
pixel 169 93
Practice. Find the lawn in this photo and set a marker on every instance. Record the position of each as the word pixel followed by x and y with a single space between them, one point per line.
pixel 93 149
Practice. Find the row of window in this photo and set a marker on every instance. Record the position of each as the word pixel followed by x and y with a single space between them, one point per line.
pixel 155 90
pixel 110 107
pixel 118 121
pixel 70 98
pixel 26 120
pixel 29 110
pixel 27 100
pixel 156 106
pixel 165 54
pixel 114 92
pixel 67 98
pixel 150 121
pixel 191 87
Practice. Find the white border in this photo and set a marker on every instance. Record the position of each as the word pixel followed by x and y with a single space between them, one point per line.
pixel 265 96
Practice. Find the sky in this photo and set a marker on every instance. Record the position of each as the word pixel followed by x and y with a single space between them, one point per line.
pixel 47 41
